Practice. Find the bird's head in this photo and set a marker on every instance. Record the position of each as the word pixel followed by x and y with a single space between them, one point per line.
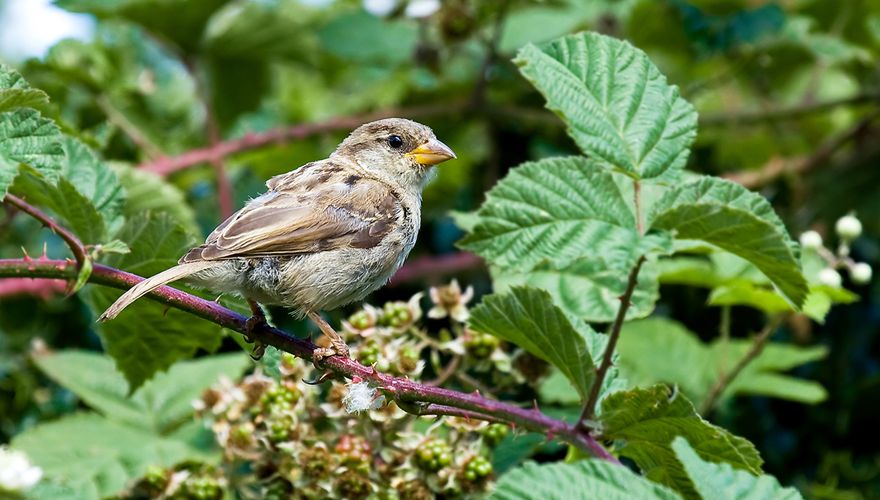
pixel 396 149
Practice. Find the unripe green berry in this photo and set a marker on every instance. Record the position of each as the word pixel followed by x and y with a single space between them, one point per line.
pixel 156 477
pixel 369 353
pixel 433 455
pixel 361 320
pixel 861 273
pixel 481 345
pixel 811 239
pixel 495 433
pixel 830 277
pixel 476 470
pixel 848 227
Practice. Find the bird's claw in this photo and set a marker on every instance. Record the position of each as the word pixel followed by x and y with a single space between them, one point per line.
pixel 255 322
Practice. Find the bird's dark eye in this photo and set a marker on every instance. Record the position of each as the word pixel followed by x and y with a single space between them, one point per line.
pixel 395 141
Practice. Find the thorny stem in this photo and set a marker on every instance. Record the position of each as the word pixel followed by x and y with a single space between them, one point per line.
pixel 405 392
pixel 589 410
pixel 167 165
pixel 76 246
pixel 726 378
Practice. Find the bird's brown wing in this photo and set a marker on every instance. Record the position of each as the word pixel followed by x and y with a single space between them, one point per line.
pixel 304 216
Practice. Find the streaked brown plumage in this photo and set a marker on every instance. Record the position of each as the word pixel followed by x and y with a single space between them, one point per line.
pixel 323 235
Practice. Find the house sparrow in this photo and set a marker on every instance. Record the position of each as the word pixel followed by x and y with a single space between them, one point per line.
pixel 323 235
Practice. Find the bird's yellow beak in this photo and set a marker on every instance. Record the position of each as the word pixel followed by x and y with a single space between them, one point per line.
pixel 431 153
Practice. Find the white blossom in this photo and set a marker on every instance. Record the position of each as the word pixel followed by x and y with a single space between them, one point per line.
pixel 848 227
pixel 422 8
pixel 830 277
pixel 811 239
pixel 380 8
pixel 861 273
pixel 16 472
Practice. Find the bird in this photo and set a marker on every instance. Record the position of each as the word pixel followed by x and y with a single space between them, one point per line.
pixel 323 235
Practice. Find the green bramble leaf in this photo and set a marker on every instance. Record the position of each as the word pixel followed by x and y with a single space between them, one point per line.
pixel 557 208
pixel 26 137
pixel 584 479
pixel 112 246
pixel 160 406
pixel 82 277
pixel 73 210
pixel 743 223
pixel 563 225
pixel 95 180
pixel 15 92
pixel 87 196
pixel 720 480
pixel 693 366
pixel 148 337
pixel 615 103
pixel 589 288
pixel 94 457
pixel 528 318
pixel 646 420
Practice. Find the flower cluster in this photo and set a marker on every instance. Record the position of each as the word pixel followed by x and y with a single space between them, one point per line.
pixel 285 438
pixel 848 228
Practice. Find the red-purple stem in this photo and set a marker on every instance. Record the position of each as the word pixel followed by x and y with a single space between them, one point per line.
pixel 406 391
pixel 76 246
pixel 167 165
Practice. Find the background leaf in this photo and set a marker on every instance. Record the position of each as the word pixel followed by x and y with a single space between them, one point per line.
pixel 15 92
pixel 26 137
pixel 160 406
pixel 148 192
pixel 647 420
pixel 158 338
pixel 62 199
pixel 96 457
pixel 694 366
pixel 584 479
pixel 714 480
pixel 615 103
pixel 181 21
pixel 730 216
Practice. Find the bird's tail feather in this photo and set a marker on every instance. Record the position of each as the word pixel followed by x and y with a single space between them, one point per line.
pixel 148 285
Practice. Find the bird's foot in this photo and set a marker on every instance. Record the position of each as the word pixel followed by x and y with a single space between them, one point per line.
pixel 335 349
pixel 254 323
pixel 338 347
